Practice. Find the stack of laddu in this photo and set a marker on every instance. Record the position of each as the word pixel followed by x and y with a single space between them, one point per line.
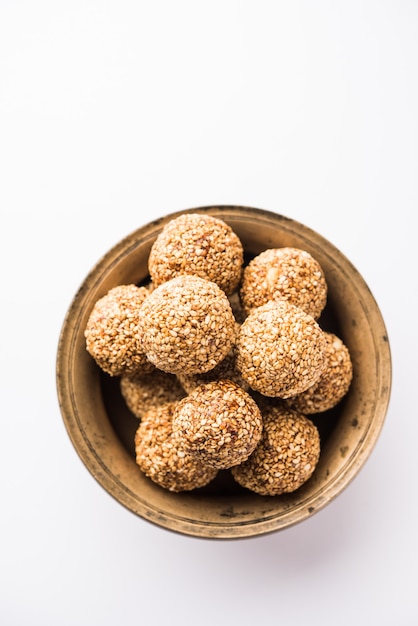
pixel 224 364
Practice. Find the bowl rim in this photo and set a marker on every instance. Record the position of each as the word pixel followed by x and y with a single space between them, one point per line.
pixel 228 530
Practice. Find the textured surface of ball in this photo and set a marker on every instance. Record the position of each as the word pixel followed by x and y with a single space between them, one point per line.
pixel 226 369
pixel 219 423
pixel 187 325
pixel 111 332
pixel 332 385
pixel 148 391
pixel 163 458
pixel 284 273
pixel 280 350
pixel 197 244
pixel 286 456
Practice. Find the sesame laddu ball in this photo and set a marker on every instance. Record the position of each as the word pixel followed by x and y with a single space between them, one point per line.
pixel 280 350
pixel 201 245
pixel 219 423
pixel 111 331
pixel 286 273
pixel 286 456
pixel 187 325
pixel 163 458
pixel 147 391
pixel 332 385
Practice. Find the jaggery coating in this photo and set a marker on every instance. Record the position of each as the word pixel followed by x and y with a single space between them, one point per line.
pixel 286 273
pixel 147 391
pixel 286 456
pixel 332 385
pixel 280 350
pixel 111 332
pixel 186 325
pixel 219 423
pixel 197 244
pixel 162 457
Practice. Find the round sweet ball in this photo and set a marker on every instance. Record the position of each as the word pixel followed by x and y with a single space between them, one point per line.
pixel 163 458
pixel 186 325
pixel 286 456
pixel 197 244
pixel 333 384
pixel 148 391
pixel 111 331
pixel 286 273
pixel 280 350
pixel 219 423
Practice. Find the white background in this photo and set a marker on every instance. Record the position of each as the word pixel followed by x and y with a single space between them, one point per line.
pixel 116 112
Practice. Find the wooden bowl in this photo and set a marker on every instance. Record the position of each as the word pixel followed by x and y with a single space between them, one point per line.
pixel 102 429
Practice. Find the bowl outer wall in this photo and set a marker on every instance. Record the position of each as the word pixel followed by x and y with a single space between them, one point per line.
pixel 351 440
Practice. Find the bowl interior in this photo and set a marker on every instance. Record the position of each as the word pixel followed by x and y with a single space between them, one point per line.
pixel 102 428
